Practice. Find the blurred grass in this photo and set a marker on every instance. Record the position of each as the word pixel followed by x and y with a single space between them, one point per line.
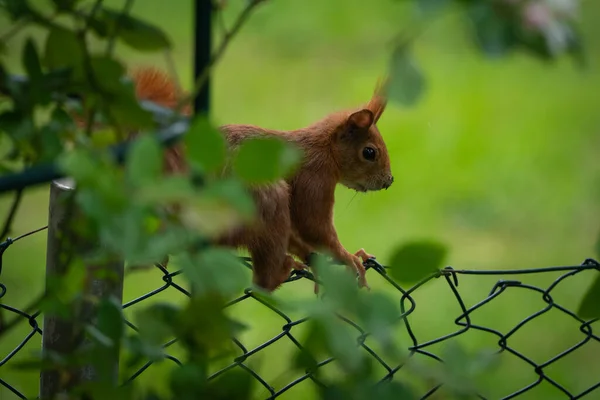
pixel 499 160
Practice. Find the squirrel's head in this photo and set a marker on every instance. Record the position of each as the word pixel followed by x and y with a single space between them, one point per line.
pixel 359 149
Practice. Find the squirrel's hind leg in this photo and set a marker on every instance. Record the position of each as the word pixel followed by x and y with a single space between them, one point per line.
pixel 301 249
pixel 270 268
pixel 268 241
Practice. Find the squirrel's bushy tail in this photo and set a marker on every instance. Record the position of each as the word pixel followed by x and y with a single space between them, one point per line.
pixel 157 86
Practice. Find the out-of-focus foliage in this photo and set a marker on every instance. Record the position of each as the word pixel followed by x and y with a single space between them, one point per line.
pixel 126 210
pixel 546 29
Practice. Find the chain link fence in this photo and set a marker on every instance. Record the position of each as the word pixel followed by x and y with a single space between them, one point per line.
pixel 464 322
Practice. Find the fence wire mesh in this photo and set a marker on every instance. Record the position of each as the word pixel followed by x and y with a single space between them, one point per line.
pixel 408 304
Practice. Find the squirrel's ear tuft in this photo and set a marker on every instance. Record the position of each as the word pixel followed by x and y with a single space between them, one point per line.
pixel 362 119
pixel 379 100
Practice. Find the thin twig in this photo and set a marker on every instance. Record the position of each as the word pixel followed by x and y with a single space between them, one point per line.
pixel 88 67
pixel 172 71
pixel 12 213
pixel 17 26
pixel 221 19
pixel 201 80
pixel 14 29
pixel 113 37
pixel 90 73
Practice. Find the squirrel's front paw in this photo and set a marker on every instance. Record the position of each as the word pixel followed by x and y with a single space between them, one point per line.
pixel 363 255
pixel 360 268
pixel 298 266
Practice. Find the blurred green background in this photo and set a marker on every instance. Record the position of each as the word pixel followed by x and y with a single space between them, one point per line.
pixel 499 160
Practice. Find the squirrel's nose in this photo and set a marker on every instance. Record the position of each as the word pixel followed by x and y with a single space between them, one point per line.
pixel 389 182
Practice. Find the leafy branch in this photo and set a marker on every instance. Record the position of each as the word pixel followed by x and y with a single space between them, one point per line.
pixel 496 28
pixel 11 214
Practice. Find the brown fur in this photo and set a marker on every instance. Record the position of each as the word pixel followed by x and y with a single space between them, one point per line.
pixel 153 85
pixel 296 215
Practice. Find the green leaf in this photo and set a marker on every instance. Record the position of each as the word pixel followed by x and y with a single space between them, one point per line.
pixel 17 89
pixel 100 390
pixel 342 343
pixel 230 192
pixel 138 34
pixel 155 322
pixel 51 144
pixel 204 329
pixel 263 160
pixel 495 35
pixel 110 321
pixel 205 145
pixel 38 364
pixel 144 162
pixel 117 97
pixel 105 137
pixel 99 26
pixel 216 269
pixel 57 80
pixel 167 190
pixel 340 285
pixel 189 382
pixel 65 5
pixel 577 49
pixel 17 9
pixel 220 206
pixel 379 314
pixel 598 246
pixel 235 385
pixel 589 307
pixel 52 135
pixel 460 369
pixel 16 125
pixel 61 120
pixel 365 387
pixel 416 260
pixel 407 83
pixel 64 289
pixel 395 390
pixel 483 361
pixel 80 165
pixel 109 324
pixel 314 348
pixel 46 360
pixel 171 239
pixel 124 107
pixel 431 6
pixel 124 234
pixel 63 49
pixel 140 350
pixel 31 60
pixel 99 337
pixel 107 73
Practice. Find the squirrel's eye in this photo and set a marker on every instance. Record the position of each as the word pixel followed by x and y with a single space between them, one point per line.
pixel 369 153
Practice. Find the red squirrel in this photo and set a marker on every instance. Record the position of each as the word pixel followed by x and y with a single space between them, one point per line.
pixel 295 216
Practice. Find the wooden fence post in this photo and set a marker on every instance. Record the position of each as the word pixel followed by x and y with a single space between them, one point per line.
pixel 64 335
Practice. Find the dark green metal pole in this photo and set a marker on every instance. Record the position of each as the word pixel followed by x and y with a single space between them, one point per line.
pixel 202 51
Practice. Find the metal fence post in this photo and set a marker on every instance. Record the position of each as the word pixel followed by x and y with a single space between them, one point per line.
pixel 64 335
pixel 202 51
